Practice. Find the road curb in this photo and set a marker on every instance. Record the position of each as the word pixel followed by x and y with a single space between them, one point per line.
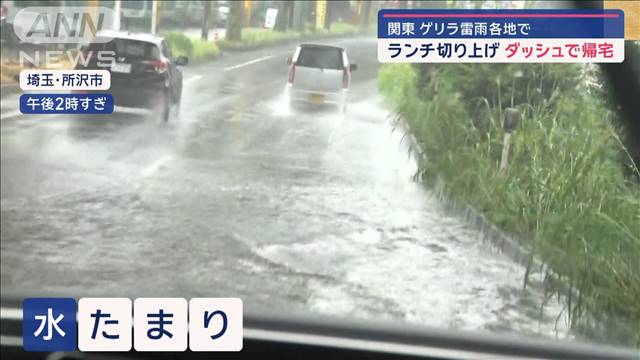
pixel 9 89
pixel 540 273
pixel 508 245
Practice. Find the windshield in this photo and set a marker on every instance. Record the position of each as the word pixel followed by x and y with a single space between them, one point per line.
pixel 499 198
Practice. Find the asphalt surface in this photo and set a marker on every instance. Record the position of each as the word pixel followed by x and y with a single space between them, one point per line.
pixel 303 210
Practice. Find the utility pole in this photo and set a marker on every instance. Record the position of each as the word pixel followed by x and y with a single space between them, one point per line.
pixel 205 21
pixel 328 15
pixel 291 12
pixel 214 16
pixel 510 123
pixel 117 10
pixel 282 21
pixel 248 12
pixel 154 16
pixel 366 11
pixel 321 13
pixel 298 18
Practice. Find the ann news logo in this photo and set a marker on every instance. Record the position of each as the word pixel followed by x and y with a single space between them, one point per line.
pixel 62 24
pixel 49 324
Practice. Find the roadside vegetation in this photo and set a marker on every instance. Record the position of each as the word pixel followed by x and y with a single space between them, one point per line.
pixel 571 190
pixel 195 49
pixel 10 69
pixel 9 72
pixel 253 37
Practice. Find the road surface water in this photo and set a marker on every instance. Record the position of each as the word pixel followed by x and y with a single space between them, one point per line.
pixel 301 209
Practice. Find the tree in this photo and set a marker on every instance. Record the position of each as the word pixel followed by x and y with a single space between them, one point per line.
pixel 366 12
pixel 282 20
pixel 234 22
pixel 205 21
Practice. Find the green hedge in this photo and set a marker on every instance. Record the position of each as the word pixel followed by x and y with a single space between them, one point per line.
pixel 195 49
pixel 258 36
pixel 565 189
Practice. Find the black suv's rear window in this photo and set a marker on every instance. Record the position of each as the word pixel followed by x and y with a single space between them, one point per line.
pixel 320 57
pixel 130 49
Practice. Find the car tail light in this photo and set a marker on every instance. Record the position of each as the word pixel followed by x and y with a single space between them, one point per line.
pixel 292 73
pixel 5 11
pixel 345 78
pixel 159 65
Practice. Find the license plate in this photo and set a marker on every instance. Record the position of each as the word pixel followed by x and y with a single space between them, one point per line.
pixel 316 98
pixel 121 68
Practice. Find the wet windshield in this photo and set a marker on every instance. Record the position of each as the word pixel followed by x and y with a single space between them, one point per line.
pixel 497 198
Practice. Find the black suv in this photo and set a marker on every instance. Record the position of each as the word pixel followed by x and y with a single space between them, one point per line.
pixel 144 73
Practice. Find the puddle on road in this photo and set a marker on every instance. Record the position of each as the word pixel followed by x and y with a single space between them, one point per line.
pixel 434 281
pixel 329 218
pixel 396 254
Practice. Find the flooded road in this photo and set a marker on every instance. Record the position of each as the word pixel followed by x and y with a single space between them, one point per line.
pixel 302 209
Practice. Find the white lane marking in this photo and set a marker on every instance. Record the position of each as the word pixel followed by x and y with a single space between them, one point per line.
pixel 14 341
pixel 11 313
pixel 193 78
pixel 131 110
pixel 10 114
pixel 153 168
pixel 248 63
pixel 29 118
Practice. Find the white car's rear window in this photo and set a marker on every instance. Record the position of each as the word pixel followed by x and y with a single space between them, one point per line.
pixel 320 57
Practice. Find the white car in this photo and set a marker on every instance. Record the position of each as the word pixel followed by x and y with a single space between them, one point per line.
pixel 319 74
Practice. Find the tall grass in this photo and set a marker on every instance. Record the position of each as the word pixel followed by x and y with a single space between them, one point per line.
pixel 195 49
pixel 179 43
pixel 260 36
pixel 564 191
pixel 343 28
pixel 254 36
pixel 203 49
